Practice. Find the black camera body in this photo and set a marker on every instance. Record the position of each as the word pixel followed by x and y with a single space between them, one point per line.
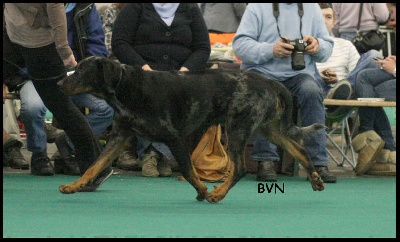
pixel 298 53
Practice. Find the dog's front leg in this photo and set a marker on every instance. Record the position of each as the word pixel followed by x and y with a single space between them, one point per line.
pixel 111 151
pixel 181 154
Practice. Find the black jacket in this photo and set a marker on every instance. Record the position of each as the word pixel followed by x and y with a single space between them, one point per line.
pixel 141 37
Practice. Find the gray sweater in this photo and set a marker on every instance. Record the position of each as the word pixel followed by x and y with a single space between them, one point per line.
pixel 373 15
pixel 222 17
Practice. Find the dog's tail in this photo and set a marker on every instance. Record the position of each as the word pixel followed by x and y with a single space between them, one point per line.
pixel 289 127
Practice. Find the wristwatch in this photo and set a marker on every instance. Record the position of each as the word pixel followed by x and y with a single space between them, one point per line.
pixel 394 72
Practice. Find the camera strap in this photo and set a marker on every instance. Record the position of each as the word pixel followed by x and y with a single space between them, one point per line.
pixel 300 11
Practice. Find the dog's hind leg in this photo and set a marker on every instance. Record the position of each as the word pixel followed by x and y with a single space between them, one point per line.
pixel 298 152
pixel 181 154
pixel 113 148
pixel 236 140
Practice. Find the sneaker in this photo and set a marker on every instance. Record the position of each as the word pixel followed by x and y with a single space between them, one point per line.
pixel 16 160
pixel 100 179
pixel 41 165
pixel 164 168
pixel 325 174
pixel 266 171
pixel 149 164
pixel 127 161
pixel 341 91
pixel 52 132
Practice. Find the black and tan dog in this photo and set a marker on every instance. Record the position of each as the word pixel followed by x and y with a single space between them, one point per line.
pixel 168 106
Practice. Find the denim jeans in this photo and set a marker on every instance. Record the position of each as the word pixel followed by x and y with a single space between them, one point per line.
pixel 373 83
pixel 101 114
pixel 32 114
pixel 308 97
pixel 143 144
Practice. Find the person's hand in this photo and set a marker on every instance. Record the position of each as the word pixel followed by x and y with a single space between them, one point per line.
pixel 70 62
pixel 329 76
pixel 388 64
pixel 282 49
pixel 312 45
pixel 146 68
pixel 184 69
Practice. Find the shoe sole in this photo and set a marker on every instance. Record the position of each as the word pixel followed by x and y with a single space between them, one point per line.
pixel 92 189
pixel 369 164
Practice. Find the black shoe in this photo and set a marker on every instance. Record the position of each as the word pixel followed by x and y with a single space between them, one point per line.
pixel 326 176
pixel 41 166
pixel 16 160
pixel 266 171
pixel 100 179
pixel 67 166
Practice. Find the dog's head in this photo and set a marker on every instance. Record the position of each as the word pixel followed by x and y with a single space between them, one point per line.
pixel 94 75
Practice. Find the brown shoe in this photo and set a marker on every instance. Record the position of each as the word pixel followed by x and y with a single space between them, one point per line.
pixel 266 171
pixel 368 145
pixel 164 168
pixel 149 164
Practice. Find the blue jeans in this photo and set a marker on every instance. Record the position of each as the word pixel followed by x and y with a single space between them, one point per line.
pixel 308 97
pixel 372 83
pixel 32 114
pixel 101 114
pixel 143 144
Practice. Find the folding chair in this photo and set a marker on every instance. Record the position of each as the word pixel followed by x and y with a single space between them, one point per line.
pixel 337 123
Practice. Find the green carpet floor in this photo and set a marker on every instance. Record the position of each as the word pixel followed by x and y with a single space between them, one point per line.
pixel 133 206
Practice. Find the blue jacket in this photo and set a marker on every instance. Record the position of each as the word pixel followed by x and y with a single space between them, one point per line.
pixel 95 45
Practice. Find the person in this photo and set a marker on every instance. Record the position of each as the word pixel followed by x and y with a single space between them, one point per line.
pixel 86 38
pixel 162 37
pixel 222 20
pixel 280 54
pixel 375 143
pixel 392 21
pixel 35 37
pixel 339 72
pixel 346 20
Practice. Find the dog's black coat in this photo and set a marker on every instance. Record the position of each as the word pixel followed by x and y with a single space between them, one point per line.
pixel 170 105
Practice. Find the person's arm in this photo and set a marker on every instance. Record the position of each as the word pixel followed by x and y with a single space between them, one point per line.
pixel 95 45
pixel 125 27
pixel 201 48
pixel 381 12
pixel 58 22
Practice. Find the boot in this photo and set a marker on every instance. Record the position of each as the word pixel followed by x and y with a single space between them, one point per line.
pixel 52 132
pixel 266 171
pixel 164 168
pixel 12 151
pixel 41 165
pixel 385 165
pixel 149 164
pixel 127 161
pixel 368 145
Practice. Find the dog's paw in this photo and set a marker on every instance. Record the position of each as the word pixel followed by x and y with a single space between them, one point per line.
pixel 316 182
pixel 71 188
pixel 202 195
pixel 66 189
pixel 214 197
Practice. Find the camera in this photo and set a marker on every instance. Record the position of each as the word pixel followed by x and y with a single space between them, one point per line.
pixel 298 53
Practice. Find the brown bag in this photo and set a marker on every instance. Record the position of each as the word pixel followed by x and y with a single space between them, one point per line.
pixel 209 158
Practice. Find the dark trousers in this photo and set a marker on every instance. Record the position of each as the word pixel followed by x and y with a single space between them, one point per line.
pixel 45 68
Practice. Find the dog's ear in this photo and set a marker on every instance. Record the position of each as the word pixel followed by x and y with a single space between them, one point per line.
pixel 108 73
